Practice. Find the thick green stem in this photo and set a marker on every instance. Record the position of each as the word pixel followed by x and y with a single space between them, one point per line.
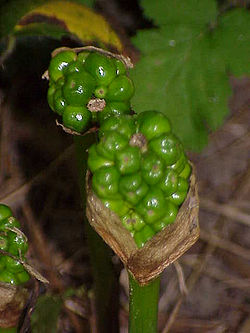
pixel 143 306
pixel 106 283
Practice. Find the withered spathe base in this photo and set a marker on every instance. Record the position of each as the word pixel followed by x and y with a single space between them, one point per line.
pixel 12 302
pixel 148 262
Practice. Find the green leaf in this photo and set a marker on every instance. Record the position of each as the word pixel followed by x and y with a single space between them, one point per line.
pixel 194 12
pixel 232 40
pixel 183 69
pixel 44 318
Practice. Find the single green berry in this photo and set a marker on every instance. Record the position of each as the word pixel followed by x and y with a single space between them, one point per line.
pixel 153 206
pixel 152 124
pixel 78 88
pixel 59 101
pixel 117 206
pixel 96 161
pixel 169 182
pixel 76 118
pixel 133 188
pixel 120 89
pixel 119 107
pixel 177 198
pixel 5 212
pixel 105 182
pixel 168 147
pixel 152 168
pixel 128 160
pixel 130 182
pixel 59 63
pixel 101 68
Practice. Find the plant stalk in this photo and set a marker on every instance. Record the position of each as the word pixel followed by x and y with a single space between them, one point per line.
pixel 106 283
pixel 143 306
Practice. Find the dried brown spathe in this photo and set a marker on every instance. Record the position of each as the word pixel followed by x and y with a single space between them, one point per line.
pixel 164 248
pixel 12 302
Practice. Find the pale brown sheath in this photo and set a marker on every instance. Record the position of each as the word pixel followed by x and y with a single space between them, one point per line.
pixel 12 302
pixel 146 263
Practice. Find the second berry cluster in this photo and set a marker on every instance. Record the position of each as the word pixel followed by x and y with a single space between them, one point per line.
pixel 88 87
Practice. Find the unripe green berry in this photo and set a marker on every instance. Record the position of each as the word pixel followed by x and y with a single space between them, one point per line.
pixel 78 88
pixel 59 63
pixel 101 68
pixel 120 89
pixel 105 182
pixel 5 212
pixel 76 118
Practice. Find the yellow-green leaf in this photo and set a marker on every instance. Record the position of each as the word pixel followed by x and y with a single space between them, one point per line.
pixel 80 21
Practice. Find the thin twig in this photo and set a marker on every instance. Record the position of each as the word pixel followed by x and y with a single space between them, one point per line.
pixel 229 211
pixel 220 275
pixel 181 279
pixel 225 244
pixel 199 266
pixel 19 193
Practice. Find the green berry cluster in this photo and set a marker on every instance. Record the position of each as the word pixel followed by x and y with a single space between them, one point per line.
pixel 140 171
pixel 11 270
pixel 85 83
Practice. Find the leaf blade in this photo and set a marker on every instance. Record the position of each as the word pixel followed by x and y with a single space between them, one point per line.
pixel 77 20
pixel 232 40
pixel 194 12
pixel 184 78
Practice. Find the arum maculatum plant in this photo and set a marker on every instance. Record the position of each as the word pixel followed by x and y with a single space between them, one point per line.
pixel 141 189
